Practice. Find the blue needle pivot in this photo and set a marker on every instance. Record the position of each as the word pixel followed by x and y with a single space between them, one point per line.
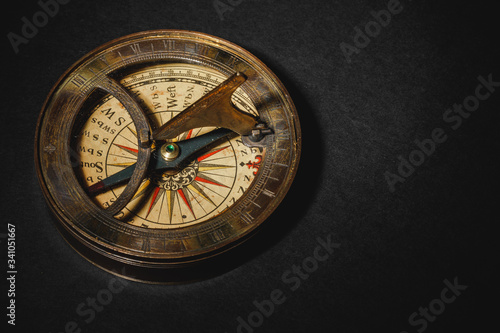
pixel 168 156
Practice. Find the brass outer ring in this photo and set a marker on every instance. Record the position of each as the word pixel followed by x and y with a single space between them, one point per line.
pixel 175 266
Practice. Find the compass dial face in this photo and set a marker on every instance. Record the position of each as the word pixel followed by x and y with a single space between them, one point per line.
pixel 160 150
pixel 208 185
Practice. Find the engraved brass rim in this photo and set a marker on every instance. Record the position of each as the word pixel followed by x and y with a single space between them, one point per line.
pixel 150 254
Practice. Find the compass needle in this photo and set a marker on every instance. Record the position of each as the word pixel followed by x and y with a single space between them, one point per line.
pixel 160 150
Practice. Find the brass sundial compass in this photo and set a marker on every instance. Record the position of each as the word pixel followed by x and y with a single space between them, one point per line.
pixel 161 149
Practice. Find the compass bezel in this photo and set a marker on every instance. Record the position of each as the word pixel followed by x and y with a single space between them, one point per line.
pixel 110 243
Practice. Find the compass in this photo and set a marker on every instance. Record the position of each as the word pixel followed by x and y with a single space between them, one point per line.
pixel 160 150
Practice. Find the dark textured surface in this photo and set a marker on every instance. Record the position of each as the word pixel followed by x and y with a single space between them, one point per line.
pixel 396 248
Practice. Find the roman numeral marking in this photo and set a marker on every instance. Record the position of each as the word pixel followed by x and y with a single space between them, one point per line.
pixel 49 149
pixel 231 62
pixel 169 44
pixel 256 204
pixel 283 135
pixel 78 80
pixel 217 235
pixel 273 178
pixel 246 218
pixel 146 245
pixel 135 47
pixel 104 60
pixel 268 193
pixel 189 47
pixel 202 49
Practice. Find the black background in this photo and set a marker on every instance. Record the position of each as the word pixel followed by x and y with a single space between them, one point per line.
pixel 396 248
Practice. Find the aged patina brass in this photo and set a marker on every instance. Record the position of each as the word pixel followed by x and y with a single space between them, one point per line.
pixel 160 150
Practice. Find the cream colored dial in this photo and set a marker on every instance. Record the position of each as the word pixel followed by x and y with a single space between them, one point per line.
pixel 213 181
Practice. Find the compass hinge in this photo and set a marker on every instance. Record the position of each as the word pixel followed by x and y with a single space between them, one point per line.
pixel 144 137
pixel 257 136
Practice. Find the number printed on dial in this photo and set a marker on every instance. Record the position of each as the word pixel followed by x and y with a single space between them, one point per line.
pixel 202 189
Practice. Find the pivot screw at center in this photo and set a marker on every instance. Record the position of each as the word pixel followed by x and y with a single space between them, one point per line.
pixel 169 151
